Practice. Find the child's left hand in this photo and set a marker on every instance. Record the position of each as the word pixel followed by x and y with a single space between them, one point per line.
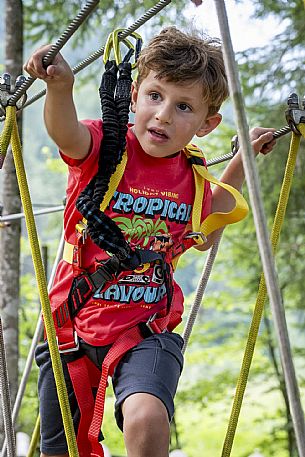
pixel 262 140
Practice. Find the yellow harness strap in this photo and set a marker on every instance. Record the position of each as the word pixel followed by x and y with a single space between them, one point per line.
pixel 213 222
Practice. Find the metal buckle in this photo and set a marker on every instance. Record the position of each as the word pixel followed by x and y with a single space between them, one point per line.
pixel 150 321
pixel 70 349
pixel 196 235
pixel 82 228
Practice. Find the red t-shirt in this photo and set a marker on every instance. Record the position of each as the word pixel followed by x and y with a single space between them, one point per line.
pixel 154 197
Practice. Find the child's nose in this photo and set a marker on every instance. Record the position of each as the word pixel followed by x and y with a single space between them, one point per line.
pixel 164 115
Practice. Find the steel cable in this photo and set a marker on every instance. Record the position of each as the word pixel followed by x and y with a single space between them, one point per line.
pixel 66 35
pixel 98 53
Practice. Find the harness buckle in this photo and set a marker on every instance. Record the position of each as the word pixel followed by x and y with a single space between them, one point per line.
pixel 196 235
pixel 152 325
pixel 69 346
pixel 82 229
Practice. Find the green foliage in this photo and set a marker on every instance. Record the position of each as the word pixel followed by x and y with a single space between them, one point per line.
pixel 45 18
pixel 272 72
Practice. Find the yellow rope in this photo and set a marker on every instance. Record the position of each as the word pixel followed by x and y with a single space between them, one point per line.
pixel 34 439
pixel 41 282
pixel 261 297
pixel 6 134
pixel 301 127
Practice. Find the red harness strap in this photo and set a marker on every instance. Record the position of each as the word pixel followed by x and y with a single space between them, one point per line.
pixel 85 375
pixel 126 341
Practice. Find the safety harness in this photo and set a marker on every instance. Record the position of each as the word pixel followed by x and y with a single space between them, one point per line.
pixel 115 100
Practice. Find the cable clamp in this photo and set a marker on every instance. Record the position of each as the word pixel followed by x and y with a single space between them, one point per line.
pixel 295 114
pixel 8 89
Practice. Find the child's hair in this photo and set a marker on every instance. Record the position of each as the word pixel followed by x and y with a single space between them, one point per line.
pixel 183 58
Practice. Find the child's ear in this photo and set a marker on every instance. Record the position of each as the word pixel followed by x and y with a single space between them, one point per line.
pixel 209 124
pixel 134 96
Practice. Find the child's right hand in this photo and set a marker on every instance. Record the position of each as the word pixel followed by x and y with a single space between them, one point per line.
pixel 58 72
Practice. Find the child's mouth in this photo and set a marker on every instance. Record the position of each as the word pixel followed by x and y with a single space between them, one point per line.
pixel 158 134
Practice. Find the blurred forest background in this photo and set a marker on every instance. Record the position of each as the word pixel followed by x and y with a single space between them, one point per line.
pixel 268 75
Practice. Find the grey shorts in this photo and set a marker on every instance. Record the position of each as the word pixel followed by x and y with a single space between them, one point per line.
pixel 153 366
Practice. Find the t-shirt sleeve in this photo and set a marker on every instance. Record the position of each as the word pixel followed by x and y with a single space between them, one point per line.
pixel 96 132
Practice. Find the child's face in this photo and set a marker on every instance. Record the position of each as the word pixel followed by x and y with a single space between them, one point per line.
pixel 168 115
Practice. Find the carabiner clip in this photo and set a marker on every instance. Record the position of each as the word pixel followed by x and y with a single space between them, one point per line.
pixel 113 42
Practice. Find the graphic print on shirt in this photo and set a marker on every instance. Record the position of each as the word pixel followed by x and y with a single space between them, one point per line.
pixel 146 288
pixel 137 228
pixel 145 222
pixel 167 209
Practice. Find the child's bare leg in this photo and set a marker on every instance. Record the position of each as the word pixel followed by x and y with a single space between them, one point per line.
pixel 146 426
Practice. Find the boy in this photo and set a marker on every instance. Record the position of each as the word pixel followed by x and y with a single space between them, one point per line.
pixel 180 87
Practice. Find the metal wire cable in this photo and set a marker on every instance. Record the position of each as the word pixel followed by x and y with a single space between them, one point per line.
pixel 99 52
pixel 38 212
pixel 281 132
pixel 6 399
pixel 72 27
pixel 223 158
pixel 36 338
pixel 203 281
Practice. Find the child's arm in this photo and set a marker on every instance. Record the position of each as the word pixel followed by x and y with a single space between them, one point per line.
pixel 262 141
pixel 72 137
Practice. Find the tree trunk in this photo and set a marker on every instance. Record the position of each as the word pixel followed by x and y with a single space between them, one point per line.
pixel 10 235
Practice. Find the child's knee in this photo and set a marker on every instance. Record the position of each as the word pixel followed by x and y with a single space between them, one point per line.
pixel 145 413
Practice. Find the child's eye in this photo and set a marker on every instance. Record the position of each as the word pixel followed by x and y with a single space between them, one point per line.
pixel 184 107
pixel 154 96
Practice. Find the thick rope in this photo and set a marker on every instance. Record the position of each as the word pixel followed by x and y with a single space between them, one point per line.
pixel 42 286
pixel 5 138
pixel 36 338
pixel 34 439
pixel 261 298
pixel 262 230
pixel 6 399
